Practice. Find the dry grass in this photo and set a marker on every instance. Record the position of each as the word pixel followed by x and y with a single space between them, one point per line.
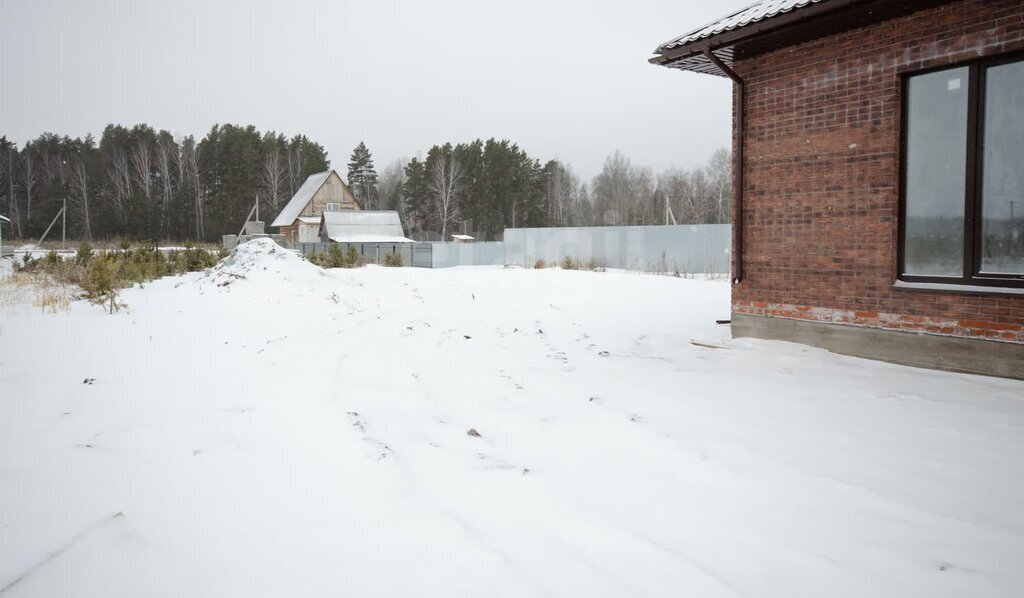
pixel 45 292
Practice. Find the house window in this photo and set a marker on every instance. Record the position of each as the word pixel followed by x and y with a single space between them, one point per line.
pixel 963 176
pixel 333 207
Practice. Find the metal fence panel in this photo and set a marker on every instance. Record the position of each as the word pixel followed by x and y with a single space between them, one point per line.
pixel 417 254
pixel 489 253
pixel 684 248
pixel 422 255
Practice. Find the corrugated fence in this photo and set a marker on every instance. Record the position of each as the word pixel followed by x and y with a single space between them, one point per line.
pixel 685 248
pixel 490 253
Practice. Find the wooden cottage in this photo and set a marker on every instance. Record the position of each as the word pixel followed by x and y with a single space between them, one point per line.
pixel 299 221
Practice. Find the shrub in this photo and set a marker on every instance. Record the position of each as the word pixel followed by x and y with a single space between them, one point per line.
pixel 351 257
pixel 84 254
pixel 539 264
pixel 568 264
pixel 393 260
pixel 335 259
pixel 102 281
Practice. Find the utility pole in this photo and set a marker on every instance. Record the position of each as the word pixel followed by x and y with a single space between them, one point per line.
pixel 64 225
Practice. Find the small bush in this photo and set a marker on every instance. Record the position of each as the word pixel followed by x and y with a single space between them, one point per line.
pixel 393 260
pixel 539 264
pixel 335 259
pixel 101 282
pixel 351 257
pixel 84 254
pixel 568 263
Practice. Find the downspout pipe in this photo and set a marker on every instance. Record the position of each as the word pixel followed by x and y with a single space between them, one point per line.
pixel 737 217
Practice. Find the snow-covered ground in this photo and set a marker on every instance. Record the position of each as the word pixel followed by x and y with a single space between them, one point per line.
pixel 272 429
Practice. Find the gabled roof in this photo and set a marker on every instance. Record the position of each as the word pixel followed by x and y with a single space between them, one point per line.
pixel 769 25
pixel 359 226
pixel 302 197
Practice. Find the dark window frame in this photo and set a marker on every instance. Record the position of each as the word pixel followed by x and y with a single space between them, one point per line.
pixel 972 275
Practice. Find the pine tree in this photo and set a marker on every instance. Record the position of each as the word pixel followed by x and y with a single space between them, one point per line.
pixel 416 195
pixel 362 177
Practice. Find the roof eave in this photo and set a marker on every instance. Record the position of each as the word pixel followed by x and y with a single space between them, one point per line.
pixel 790 28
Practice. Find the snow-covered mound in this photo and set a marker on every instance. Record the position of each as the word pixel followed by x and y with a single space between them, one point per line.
pixel 262 260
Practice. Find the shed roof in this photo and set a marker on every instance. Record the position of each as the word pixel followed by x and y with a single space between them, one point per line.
pixel 769 25
pixel 302 197
pixel 358 226
pixel 463 237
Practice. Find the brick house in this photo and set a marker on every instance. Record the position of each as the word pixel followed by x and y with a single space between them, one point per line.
pixel 879 176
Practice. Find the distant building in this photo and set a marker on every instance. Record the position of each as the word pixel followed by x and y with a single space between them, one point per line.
pixel 463 238
pixel 362 227
pixel 879 175
pixel 299 221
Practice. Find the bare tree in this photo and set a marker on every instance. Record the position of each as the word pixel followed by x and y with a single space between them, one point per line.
pixel 697 201
pixel 190 157
pixel 274 175
pixel 623 193
pixel 166 157
pixel 12 200
pixel 120 177
pixel 80 195
pixel 28 169
pixel 720 175
pixel 562 185
pixel 445 183
pixel 389 187
pixel 142 161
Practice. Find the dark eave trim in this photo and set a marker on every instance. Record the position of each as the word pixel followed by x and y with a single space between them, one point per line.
pixel 798 26
pixel 734 36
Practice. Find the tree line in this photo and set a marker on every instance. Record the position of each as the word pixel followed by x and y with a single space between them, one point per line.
pixel 141 183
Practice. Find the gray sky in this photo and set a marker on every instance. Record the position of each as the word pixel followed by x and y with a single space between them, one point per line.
pixel 563 79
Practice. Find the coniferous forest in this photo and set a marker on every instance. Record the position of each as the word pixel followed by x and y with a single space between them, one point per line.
pixel 146 184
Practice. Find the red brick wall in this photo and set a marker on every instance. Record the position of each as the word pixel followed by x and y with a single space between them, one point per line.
pixel 821 189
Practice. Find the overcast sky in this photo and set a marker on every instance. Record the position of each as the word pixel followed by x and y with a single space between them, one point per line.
pixel 563 79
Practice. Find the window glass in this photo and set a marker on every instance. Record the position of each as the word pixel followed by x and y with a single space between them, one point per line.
pixel 1002 194
pixel 935 173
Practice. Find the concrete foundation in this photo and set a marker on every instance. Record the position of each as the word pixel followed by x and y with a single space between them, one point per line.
pixel 957 354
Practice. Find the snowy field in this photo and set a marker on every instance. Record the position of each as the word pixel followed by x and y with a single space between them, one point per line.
pixel 271 429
